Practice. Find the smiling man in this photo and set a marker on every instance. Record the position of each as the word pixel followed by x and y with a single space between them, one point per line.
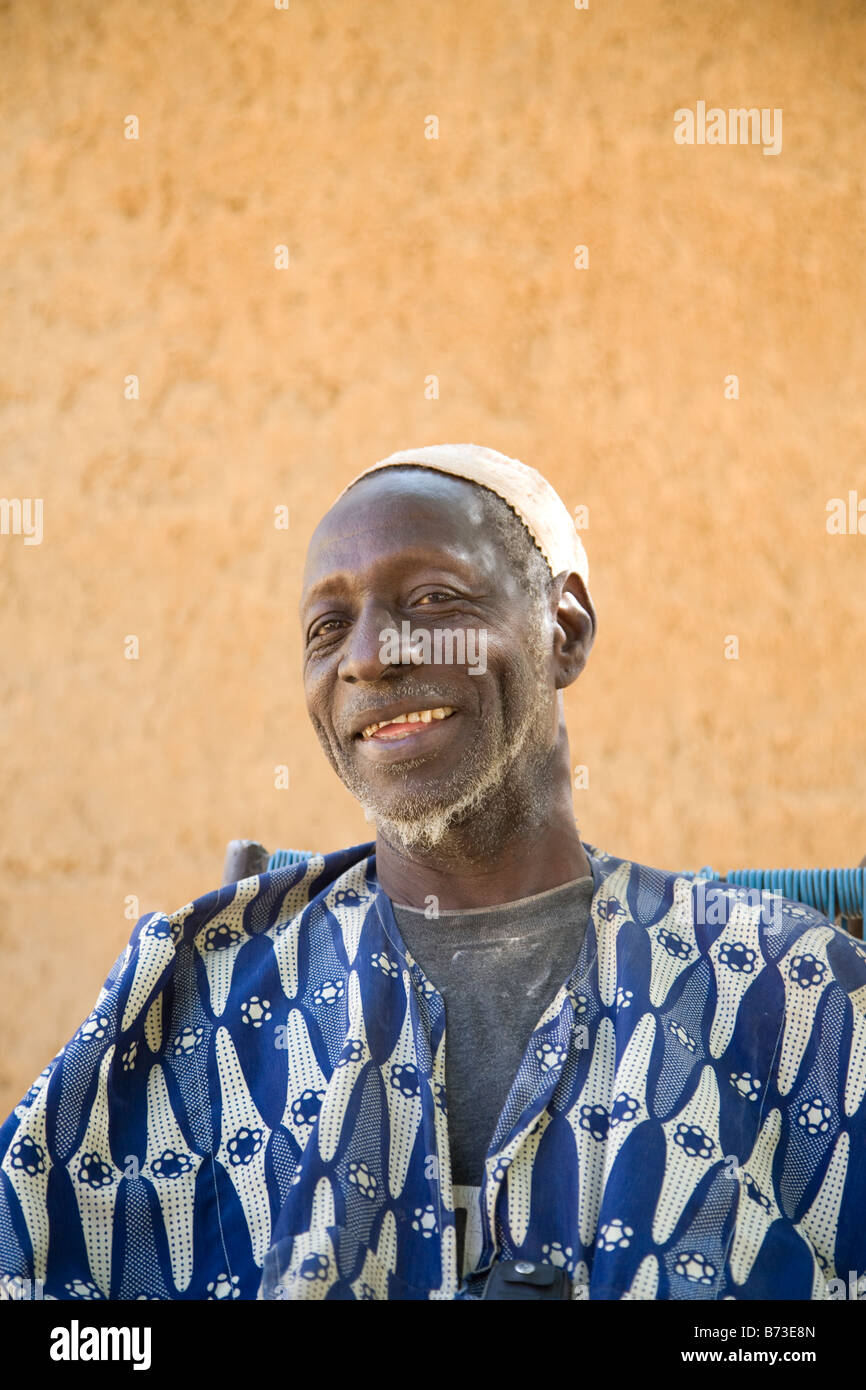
pixel 489 773
pixel 477 1056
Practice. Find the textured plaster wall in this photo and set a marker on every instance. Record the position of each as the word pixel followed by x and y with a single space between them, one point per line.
pixel 411 257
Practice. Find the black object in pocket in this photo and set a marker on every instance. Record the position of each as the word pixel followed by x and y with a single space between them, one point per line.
pixel 526 1279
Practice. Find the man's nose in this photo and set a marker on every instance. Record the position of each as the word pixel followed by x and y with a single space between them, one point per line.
pixel 365 653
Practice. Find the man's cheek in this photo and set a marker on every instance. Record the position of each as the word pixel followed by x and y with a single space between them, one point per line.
pixel 317 696
pixel 327 739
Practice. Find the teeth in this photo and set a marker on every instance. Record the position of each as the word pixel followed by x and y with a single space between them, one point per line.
pixel 423 716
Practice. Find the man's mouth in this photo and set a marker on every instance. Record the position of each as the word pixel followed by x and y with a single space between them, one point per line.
pixel 408 725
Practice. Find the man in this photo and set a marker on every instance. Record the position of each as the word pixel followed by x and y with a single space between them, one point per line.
pixel 392 1069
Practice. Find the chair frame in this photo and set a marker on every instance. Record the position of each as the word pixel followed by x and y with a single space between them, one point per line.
pixel 244 858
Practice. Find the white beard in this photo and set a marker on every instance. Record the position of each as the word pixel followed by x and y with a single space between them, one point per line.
pixel 425 828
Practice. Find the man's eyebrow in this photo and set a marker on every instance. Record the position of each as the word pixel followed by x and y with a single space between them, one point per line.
pixel 445 560
pixel 330 581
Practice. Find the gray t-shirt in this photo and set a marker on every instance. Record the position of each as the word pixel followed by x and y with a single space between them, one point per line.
pixel 498 969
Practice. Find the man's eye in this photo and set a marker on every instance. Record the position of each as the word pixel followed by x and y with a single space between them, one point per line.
pixel 436 594
pixel 323 627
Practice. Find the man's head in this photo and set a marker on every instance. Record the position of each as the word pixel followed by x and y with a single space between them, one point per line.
pixel 407 548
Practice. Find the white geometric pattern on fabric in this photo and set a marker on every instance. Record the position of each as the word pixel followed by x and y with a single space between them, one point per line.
pixel 687 1120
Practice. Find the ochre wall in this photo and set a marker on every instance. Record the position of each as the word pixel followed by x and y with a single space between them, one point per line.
pixel 412 257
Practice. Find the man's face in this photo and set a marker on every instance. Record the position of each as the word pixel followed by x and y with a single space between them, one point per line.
pixel 417 547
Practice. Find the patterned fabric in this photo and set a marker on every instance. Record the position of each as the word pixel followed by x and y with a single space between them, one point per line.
pixel 256 1107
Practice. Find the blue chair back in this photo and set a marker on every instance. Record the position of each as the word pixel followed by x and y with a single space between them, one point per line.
pixel 837 893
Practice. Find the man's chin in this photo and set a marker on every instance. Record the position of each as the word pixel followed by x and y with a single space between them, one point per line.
pixel 424 826
pixel 419 818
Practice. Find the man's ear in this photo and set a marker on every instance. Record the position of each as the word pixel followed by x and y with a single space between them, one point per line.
pixel 574 627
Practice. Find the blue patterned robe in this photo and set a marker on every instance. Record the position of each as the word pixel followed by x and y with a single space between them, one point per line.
pixel 256 1107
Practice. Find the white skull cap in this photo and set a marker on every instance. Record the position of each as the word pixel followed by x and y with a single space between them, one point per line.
pixel 538 505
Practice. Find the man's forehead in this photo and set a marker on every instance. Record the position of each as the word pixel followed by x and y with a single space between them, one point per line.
pixel 416 520
pixel 408 487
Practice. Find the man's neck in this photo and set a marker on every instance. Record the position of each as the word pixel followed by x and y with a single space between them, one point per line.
pixel 531 860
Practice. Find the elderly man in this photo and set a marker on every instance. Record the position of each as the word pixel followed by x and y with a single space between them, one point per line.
pixel 478 1057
